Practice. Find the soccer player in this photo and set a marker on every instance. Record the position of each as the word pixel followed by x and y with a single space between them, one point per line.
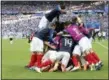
pixel 99 36
pixel 11 37
pixel 73 30
pixel 37 44
pixel 49 16
pixel 66 43
pixel 87 34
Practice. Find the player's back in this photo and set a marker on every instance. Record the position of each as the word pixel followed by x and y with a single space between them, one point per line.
pixel 85 31
pixel 42 34
pixel 66 43
pixel 74 32
pixel 53 13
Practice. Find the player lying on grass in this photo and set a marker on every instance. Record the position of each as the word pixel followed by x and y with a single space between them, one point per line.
pixel 37 44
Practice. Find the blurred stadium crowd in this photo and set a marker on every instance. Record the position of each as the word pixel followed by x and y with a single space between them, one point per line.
pixel 21 18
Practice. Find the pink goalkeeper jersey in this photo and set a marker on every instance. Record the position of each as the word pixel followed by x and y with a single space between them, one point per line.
pixel 74 32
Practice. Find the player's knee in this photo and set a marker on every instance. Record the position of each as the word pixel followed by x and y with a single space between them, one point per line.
pixel 87 51
pixel 34 52
pixel 40 52
pixel 76 55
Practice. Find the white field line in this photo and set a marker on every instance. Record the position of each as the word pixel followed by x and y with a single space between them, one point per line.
pixel 102 45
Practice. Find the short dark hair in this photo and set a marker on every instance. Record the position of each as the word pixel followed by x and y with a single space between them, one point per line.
pixel 74 19
pixel 67 23
pixel 62 6
pixel 53 24
pixel 79 15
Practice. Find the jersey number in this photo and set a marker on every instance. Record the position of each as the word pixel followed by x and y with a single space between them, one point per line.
pixel 68 42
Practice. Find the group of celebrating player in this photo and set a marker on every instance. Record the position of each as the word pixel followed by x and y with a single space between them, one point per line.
pixel 69 50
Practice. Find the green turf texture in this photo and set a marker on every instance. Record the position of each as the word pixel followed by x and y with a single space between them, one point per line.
pixel 17 55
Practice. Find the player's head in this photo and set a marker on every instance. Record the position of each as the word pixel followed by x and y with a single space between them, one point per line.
pixel 53 25
pixel 79 16
pixel 62 9
pixel 62 6
pixel 74 20
pixel 66 24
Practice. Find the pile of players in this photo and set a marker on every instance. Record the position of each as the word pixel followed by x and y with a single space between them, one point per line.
pixel 69 50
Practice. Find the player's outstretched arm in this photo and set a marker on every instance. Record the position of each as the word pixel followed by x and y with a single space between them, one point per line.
pixel 49 45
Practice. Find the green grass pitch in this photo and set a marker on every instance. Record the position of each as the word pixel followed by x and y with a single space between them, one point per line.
pixel 17 55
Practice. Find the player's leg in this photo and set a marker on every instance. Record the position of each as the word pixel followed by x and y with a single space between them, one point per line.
pixel 39 48
pixel 65 60
pixel 75 54
pixel 70 65
pixel 47 60
pixel 43 23
pixel 59 56
pixel 51 58
pixel 84 44
pixel 99 62
pixel 92 52
pixel 11 40
pixel 84 63
pixel 37 66
pixel 33 57
pixel 96 59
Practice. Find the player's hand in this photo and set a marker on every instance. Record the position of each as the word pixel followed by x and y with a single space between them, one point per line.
pixel 51 70
pixel 60 33
pixel 53 47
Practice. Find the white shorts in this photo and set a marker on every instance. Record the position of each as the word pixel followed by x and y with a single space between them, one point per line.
pixel 49 55
pixel 85 44
pixel 77 50
pixel 43 23
pixel 64 57
pixel 36 45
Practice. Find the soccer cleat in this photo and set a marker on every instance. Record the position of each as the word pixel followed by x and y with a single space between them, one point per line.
pixel 30 68
pixel 101 64
pixel 69 68
pixel 75 68
pixel 97 67
pixel 37 69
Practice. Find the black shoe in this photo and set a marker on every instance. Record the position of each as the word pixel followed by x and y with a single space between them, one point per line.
pixel 27 67
pixel 30 68
pixel 101 64
pixel 97 67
